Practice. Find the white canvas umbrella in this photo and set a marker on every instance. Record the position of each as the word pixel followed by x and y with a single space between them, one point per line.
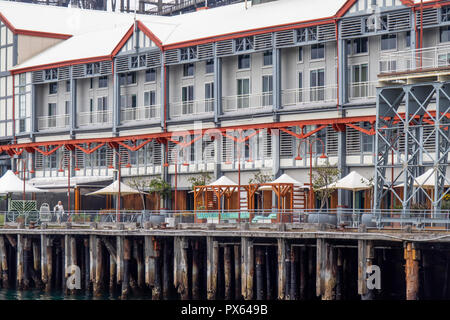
pixel 113 189
pixel 223 181
pixel 353 182
pixel 10 183
pixel 426 180
pixel 284 178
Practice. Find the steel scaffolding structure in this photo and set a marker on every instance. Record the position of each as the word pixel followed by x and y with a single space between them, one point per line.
pixel 410 117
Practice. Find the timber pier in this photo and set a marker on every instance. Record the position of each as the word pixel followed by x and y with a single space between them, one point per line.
pixel 285 261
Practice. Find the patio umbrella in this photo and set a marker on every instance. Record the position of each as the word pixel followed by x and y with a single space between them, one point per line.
pixel 284 178
pixel 113 189
pixel 352 182
pixel 426 180
pixel 10 183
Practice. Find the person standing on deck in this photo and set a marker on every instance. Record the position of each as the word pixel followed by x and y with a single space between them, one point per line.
pixel 59 211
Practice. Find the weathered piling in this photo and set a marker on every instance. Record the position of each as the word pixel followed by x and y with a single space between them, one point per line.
pixel 293 278
pixel 339 269
pixel 20 244
pixel 287 283
pixel 112 263
pixel 281 248
pixel 237 272
pixel 46 262
pixel 180 267
pixel 320 266
pixel 196 270
pixel 268 274
pixel 166 290
pixel 156 290
pixel 365 258
pixel 330 271
pixel 259 273
pixel 86 264
pixel 412 258
pixel 302 270
pixel 227 272
pixel 36 271
pixel 140 263
pixel 119 260
pixel 212 253
pixel 4 264
pixel 126 267
pixel 98 267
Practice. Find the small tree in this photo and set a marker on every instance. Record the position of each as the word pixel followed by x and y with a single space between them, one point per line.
pixel 140 184
pixel 160 187
pixel 322 177
pixel 202 179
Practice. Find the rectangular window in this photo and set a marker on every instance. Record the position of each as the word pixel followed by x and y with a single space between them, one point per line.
pixel 267 89
pixel 408 39
pixel 150 75
pixel 243 91
pixel 389 41
pixel 444 34
pixel 52 115
pixel 91 111
pixel 102 108
pixel 317 83
pixel 267 58
pixel 103 82
pixel 51 74
pixel 300 87
pixel 244 44
pixel 360 45
pixel 244 61
pixel 300 54
pixel 188 70
pixel 445 14
pixel 68 86
pixel 93 68
pixel 53 88
pixel 127 78
pixel 67 113
pixel 210 66
pixel 366 140
pixel 149 103
pixel 317 51
pixel 187 97
pixel 360 86
pixel 91 83
pixel 187 54
pixel 209 97
pixel 138 62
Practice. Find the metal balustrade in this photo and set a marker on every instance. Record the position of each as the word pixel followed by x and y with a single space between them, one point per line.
pixel 247 102
pixel 302 96
pixel 415 60
pixel 141 113
pixel 53 122
pixel 385 219
pixel 194 107
pixel 96 117
pixel 362 90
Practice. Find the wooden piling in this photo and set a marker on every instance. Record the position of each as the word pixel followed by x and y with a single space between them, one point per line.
pixel 303 271
pixel 293 278
pixel 112 274
pixel 45 265
pixel 183 281
pixel 196 271
pixel 86 264
pixel 36 265
pixel 4 263
pixel 268 275
pixel 339 269
pixel 365 258
pixel 412 258
pixel 166 270
pixel 250 268
pixel 259 274
pixel 58 261
pixel 119 259
pixel 140 263
pixel 149 261
pixel 126 266
pixel 281 268
pixel 73 256
pixel 330 270
pixel 320 266
pixel 98 267
pixel 287 282
pixel 212 252
pixel 227 272
pixel 67 261
pixel 20 269
pixel 237 272
pixel 156 289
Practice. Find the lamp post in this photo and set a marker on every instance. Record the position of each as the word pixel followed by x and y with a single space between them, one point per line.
pixel 310 143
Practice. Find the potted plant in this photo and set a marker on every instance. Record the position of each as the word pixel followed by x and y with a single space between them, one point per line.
pixel 164 192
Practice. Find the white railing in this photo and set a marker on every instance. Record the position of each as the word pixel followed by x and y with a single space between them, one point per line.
pixel 362 90
pixel 141 113
pixel 194 107
pixel 53 122
pixel 247 101
pixel 415 59
pixel 96 117
pixel 292 97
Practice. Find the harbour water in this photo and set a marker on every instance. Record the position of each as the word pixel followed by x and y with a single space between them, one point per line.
pixel 12 294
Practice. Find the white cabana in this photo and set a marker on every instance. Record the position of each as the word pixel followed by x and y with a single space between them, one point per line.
pixel 352 182
pixel 10 183
pixel 284 178
pixel 223 181
pixel 426 180
pixel 113 189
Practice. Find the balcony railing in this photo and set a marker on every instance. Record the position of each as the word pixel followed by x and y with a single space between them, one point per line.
pixel 302 96
pixel 362 90
pixel 247 101
pixel 96 117
pixel 194 107
pixel 53 122
pixel 141 113
pixel 415 60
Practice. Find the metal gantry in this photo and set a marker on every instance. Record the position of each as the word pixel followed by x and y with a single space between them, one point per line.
pixel 412 133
